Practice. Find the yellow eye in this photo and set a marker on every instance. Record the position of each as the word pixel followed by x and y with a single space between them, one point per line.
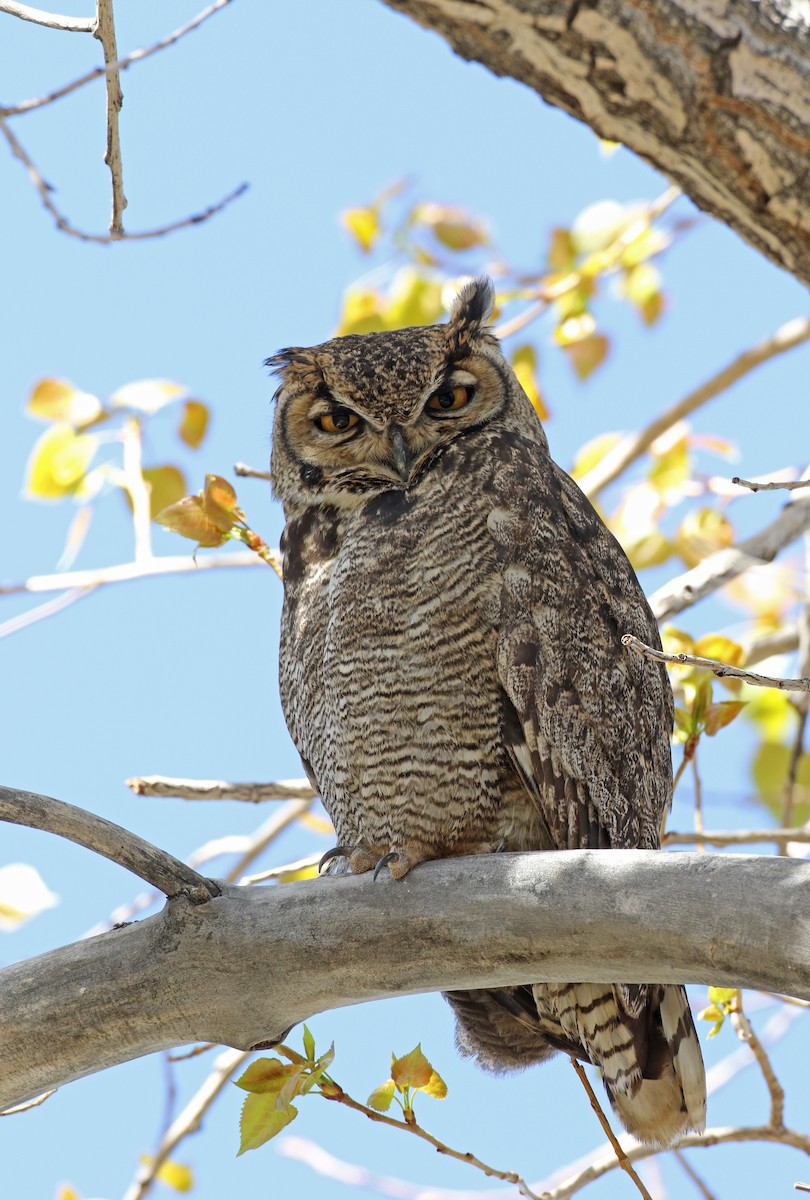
pixel 337 421
pixel 450 399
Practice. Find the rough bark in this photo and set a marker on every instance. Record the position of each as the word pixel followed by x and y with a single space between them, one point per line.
pixel 243 967
pixel 714 93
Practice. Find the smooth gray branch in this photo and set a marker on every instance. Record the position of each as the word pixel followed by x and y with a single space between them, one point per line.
pixel 720 568
pixel 251 963
pixel 168 874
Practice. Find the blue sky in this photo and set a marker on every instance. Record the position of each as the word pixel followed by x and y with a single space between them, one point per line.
pixel 317 106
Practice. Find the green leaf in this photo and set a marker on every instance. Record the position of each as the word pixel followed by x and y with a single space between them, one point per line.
pixel 167 485
pixel 58 400
pixel 194 423
pixel 261 1120
pixel 58 462
pixel 770 771
pixel 380 1099
pixel 309 1045
pixel 703 698
pixel 412 1070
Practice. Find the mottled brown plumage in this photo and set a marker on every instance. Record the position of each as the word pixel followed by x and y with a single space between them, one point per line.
pixel 451 666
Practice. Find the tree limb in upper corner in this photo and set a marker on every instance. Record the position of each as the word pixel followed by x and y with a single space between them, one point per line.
pixel 715 96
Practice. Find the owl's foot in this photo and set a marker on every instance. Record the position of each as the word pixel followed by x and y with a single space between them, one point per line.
pixel 360 858
pixel 398 862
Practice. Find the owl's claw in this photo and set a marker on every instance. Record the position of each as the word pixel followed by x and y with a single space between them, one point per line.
pixel 398 863
pixel 335 852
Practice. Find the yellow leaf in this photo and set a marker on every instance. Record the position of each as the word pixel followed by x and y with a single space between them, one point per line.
pixel 454 227
pixel 718 995
pixel 167 485
pixel 362 312
pixel 593 452
pixel 310 872
pixel 265 1076
pixel 575 329
pixel 770 771
pixel 649 550
pixel 194 423
pixel 187 518
pixel 586 355
pixel 770 710
pixel 175 1175
pixel 58 400
pixel 676 641
pixel 711 1013
pixel 414 300
pixel 58 462
pixel 701 533
pixel 363 224
pixel 722 713
pixel 380 1099
pixel 435 1087
pixel 560 253
pixel 23 894
pixel 147 395
pixel 670 470
pixel 66 1192
pixel 714 645
pixel 317 824
pixel 598 225
pixel 412 1070
pixel 219 502
pixel 642 287
pixel 524 364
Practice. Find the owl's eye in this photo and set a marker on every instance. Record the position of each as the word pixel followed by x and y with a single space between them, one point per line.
pixel 449 399
pixel 337 421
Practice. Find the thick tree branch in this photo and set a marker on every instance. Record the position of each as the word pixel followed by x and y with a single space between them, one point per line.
pixel 253 962
pixel 168 874
pixel 715 96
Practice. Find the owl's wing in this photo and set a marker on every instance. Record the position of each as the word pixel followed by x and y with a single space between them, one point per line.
pixel 587 722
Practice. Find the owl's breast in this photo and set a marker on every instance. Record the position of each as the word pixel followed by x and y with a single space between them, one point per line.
pixel 389 676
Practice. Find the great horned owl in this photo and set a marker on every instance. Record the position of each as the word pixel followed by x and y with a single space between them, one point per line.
pixel 451 667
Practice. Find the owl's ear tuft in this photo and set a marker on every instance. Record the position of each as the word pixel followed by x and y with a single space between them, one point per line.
pixel 296 363
pixel 470 312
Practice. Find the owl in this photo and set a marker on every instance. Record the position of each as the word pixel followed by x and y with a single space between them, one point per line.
pixel 452 672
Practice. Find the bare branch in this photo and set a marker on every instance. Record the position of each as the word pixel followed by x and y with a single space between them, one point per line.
pixel 220 789
pixel 24 106
pixel 618 1149
pixel 246 472
pixel 690 1171
pixel 241 970
pixel 737 837
pixel 721 669
pixel 42 611
pixel 746 1034
pixel 52 20
pixel 772 486
pixel 781 641
pixel 104 837
pixel 720 568
pixel 188 1121
pixel 105 32
pixel 164 565
pixel 62 223
pixel 634 445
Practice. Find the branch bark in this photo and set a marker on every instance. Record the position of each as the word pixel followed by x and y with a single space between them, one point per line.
pixel 250 963
pixel 715 96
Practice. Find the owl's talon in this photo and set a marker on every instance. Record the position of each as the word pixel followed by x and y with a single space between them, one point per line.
pixel 385 860
pixel 335 852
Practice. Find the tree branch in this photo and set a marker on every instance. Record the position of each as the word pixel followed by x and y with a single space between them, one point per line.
pixel 720 568
pixel 156 866
pixel 251 963
pixel 105 32
pixel 631 447
pixel 721 669
pixel 220 789
pixel 52 20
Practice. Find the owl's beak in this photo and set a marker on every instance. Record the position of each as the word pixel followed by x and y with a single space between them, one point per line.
pixel 400 452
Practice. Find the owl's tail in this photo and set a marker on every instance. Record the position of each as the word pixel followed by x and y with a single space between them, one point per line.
pixel 643 1039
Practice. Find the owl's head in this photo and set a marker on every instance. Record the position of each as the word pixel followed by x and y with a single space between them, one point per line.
pixel 366 413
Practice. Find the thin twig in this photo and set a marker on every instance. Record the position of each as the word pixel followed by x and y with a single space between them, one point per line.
pixel 300 864
pixel 42 611
pixel 772 485
pixel 792 781
pixel 618 1149
pixel 407 1127
pixel 52 20
pixel 630 448
pixel 745 1032
pixel 35 1103
pixel 170 564
pixel 265 834
pixel 246 472
pixel 188 1121
pixel 782 641
pixel 689 1170
pixel 718 668
pixel 24 106
pixel 104 837
pixel 220 789
pixel 105 32
pixel 44 189
pixel 698 803
pixel 737 837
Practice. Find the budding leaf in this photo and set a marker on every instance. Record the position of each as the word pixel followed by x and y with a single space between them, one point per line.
pixel 261 1120
pixel 380 1099
pixel 412 1070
